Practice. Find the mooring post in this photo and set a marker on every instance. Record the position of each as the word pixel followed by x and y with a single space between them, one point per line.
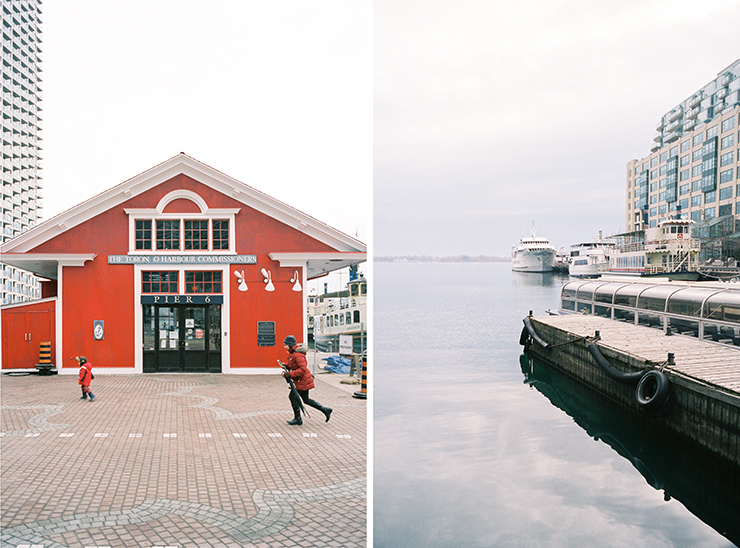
pixel 671 360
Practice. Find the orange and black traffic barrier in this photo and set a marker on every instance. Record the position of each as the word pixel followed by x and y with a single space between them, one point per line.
pixel 362 394
pixel 45 366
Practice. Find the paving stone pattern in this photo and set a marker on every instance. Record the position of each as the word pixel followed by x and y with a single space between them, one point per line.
pixel 179 461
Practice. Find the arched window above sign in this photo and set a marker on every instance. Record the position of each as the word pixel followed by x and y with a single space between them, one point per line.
pixel 182 194
pixel 182 222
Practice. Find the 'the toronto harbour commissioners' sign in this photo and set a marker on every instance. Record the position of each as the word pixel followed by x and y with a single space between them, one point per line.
pixel 182 259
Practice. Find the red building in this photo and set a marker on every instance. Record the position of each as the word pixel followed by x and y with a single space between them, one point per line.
pixel 181 268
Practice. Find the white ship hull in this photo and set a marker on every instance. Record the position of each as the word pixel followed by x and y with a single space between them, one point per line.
pixel 590 270
pixel 541 260
pixel 533 254
pixel 590 259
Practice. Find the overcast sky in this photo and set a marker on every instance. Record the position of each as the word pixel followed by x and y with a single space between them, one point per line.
pixel 276 94
pixel 492 115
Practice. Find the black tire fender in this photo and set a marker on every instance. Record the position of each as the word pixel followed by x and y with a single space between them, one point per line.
pixel 524 337
pixel 652 391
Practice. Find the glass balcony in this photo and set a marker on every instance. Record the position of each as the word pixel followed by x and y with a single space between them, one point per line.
pixel 675 114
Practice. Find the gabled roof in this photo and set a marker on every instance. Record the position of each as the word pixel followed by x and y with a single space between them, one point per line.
pixel 183 164
pixel 349 250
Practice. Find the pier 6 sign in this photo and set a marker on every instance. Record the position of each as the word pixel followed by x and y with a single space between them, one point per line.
pixel 182 299
pixel 182 259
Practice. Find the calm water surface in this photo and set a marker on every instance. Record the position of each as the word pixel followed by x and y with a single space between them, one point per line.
pixel 475 446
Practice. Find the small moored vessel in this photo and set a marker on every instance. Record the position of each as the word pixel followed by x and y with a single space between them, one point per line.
pixel 665 250
pixel 590 259
pixel 533 254
pixel 341 313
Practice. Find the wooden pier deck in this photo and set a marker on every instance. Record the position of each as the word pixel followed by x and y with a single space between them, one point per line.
pixel 704 377
pixel 711 363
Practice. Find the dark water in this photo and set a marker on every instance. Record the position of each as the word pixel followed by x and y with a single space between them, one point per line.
pixel 474 445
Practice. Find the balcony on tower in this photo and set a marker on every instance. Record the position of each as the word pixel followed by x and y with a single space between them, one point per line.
pixel 675 114
pixel 673 126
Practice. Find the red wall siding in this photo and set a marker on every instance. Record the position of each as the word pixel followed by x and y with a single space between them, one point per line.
pixel 23 328
pixel 99 291
pixel 282 306
pixel 48 289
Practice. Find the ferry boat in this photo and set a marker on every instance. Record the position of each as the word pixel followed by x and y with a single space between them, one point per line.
pixel 533 254
pixel 340 313
pixel 590 259
pixel 667 249
pixel 706 310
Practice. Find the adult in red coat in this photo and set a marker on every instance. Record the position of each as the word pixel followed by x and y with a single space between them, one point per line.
pixel 297 370
pixel 85 377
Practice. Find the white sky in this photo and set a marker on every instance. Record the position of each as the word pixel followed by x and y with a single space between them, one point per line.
pixel 490 115
pixel 276 94
pixel 478 117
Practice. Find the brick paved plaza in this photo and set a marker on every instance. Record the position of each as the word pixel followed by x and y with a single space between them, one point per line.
pixel 180 461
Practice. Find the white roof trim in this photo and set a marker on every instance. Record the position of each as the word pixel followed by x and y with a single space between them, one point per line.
pixel 45 264
pixel 318 264
pixel 182 164
pixel 27 303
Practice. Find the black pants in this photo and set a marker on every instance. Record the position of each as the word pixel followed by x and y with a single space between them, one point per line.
pixel 295 402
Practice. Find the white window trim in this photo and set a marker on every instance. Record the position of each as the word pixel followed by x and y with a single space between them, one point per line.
pixel 157 214
pixel 225 312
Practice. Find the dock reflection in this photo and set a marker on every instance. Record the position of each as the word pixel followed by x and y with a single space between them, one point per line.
pixel 707 487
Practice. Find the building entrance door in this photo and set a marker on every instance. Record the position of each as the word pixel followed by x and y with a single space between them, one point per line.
pixel 182 338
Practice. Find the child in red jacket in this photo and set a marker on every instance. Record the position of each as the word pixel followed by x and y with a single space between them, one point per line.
pixel 86 375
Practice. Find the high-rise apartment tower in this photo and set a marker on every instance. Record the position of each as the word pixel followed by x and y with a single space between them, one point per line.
pixel 692 171
pixel 21 118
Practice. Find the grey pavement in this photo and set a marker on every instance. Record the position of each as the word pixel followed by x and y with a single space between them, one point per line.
pixel 180 460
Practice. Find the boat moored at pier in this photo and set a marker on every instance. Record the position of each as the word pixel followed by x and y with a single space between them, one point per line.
pixel 533 254
pixel 341 313
pixel 668 249
pixel 590 259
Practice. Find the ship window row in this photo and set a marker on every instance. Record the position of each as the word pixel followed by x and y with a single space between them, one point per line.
pixel 358 289
pixel 341 319
pixel 181 234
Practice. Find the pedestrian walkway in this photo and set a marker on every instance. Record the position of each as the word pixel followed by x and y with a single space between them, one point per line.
pixel 180 461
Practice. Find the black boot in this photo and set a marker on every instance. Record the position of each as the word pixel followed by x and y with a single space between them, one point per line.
pixel 297 420
pixel 327 412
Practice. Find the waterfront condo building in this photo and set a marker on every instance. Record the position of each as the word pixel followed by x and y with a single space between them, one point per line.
pixel 692 171
pixel 21 145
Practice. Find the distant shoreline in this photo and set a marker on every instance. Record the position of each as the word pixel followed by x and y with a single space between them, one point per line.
pixel 446 259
